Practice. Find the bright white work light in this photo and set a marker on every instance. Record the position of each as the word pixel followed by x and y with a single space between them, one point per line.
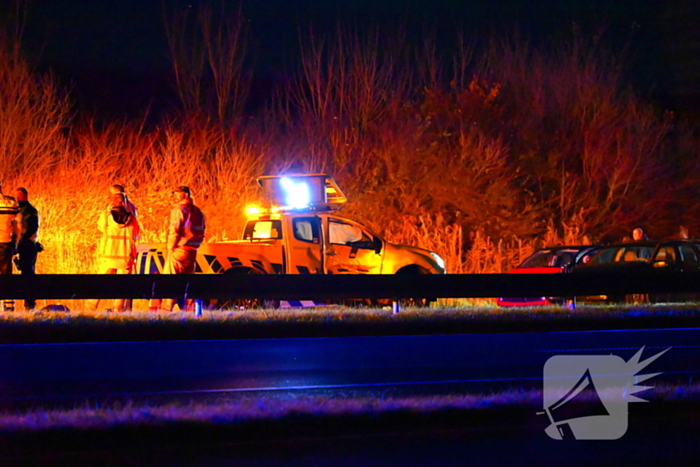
pixel 440 262
pixel 297 195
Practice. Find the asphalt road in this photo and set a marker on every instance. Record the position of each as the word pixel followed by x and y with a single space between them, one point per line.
pixel 55 374
pixel 41 374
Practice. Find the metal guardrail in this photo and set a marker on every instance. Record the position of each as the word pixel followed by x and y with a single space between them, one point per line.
pixel 329 287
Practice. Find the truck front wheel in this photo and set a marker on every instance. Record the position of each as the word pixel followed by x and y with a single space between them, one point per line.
pixel 245 303
pixel 412 270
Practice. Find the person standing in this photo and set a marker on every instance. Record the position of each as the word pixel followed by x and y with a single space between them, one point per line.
pixel 186 231
pixel 27 246
pixel 131 207
pixel 117 248
pixel 9 232
pixel 638 235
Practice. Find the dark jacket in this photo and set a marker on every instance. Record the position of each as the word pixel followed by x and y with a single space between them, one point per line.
pixel 29 228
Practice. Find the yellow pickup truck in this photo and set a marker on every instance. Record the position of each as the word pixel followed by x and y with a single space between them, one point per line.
pixel 298 232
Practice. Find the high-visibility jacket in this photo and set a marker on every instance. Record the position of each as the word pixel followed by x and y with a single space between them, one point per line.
pixel 120 231
pixel 187 226
pixel 9 222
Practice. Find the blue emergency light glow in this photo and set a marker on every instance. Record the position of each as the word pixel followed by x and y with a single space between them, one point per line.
pixel 297 195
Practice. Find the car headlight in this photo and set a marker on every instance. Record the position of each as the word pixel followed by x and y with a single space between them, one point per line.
pixel 440 262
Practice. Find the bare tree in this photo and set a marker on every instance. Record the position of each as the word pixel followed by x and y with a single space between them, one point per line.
pixel 34 111
pixel 209 56
pixel 348 84
pixel 585 147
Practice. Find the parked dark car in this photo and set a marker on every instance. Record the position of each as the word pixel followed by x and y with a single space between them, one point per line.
pixel 548 261
pixel 623 258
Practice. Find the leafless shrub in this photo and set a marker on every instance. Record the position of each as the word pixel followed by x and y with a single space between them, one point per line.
pixel 34 114
pixel 208 54
pixel 347 86
pixel 587 147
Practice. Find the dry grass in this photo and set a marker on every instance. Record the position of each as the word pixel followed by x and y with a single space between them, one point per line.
pixel 266 407
pixel 445 310
pixel 277 407
pixel 220 168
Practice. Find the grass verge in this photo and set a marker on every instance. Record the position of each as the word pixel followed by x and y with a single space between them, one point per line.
pixel 294 416
pixel 55 327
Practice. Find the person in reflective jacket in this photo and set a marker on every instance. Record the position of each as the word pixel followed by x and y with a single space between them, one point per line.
pixel 117 247
pixel 185 235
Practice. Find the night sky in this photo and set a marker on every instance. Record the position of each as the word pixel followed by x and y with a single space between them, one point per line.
pixel 112 54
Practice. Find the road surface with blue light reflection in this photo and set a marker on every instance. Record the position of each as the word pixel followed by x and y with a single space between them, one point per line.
pixel 39 373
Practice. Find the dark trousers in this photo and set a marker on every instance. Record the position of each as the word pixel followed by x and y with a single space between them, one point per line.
pixel 7 250
pixel 27 264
